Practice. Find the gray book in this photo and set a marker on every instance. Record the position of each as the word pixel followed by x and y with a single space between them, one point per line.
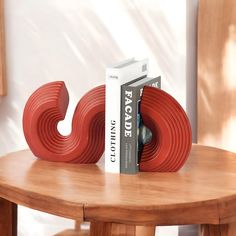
pixel 133 133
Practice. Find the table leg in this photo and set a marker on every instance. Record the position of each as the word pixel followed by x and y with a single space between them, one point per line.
pixel 145 230
pixel 218 230
pixel 8 218
pixel 114 229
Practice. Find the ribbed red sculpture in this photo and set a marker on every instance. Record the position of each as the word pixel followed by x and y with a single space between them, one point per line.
pixel 47 106
pixel 171 132
pixel 161 113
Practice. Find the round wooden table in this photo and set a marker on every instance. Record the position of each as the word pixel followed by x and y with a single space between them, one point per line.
pixel 202 192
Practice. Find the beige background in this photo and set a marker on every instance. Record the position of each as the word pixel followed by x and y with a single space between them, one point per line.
pixel 217 74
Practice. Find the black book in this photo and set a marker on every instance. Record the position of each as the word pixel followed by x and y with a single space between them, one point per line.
pixel 133 133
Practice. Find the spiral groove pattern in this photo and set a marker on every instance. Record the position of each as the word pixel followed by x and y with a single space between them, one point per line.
pixel 161 113
pixel 47 106
pixel 172 137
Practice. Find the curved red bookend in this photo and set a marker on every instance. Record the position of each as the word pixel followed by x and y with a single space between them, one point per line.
pixel 171 132
pixel 47 106
pixel 161 113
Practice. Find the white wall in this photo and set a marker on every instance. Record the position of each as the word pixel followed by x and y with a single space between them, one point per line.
pixel 74 41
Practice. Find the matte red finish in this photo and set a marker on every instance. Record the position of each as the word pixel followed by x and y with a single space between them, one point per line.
pixel 172 136
pixel 47 106
pixel 168 150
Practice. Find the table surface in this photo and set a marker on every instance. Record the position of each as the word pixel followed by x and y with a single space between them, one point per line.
pixel 202 192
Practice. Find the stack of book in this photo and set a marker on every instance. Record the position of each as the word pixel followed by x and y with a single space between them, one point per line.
pixel 125 134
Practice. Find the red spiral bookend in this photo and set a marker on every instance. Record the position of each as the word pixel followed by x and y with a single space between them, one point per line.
pixel 171 132
pixel 47 106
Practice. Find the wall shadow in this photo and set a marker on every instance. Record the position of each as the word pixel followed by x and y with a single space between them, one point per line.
pixel 66 47
pixel 159 36
pixel 217 74
pixel 191 64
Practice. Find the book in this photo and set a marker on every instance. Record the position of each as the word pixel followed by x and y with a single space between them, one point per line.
pixel 117 75
pixel 133 133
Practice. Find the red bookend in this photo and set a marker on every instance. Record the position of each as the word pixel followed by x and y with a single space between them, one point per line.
pixel 47 106
pixel 161 113
pixel 171 132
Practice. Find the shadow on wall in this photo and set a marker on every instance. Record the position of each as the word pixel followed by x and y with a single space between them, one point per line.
pixel 47 41
pixel 217 75
pixel 191 64
pixel 70 41
pixel 162 42
pixel 157 36
pixel 50 45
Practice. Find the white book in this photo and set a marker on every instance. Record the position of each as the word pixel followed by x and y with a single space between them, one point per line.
pixel 116 76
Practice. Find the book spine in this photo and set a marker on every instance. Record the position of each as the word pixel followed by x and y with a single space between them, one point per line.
pixel 115 77
pixel 112 123
pixel 130 119
pixel 128 163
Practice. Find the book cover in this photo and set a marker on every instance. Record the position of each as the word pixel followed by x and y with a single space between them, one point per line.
pixel 117 75
pixel 133 133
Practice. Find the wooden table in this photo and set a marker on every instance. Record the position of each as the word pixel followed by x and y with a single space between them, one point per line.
pixel 202 192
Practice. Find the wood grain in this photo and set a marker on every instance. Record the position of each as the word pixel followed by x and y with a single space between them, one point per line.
pixel 98 228
pixel 218 230
pixel 72 232
pixel 111 229
pixel 217 73
pixel 145 230
pixel 205 185
pixel 210 230
pixel 8 218
pixel 3 84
